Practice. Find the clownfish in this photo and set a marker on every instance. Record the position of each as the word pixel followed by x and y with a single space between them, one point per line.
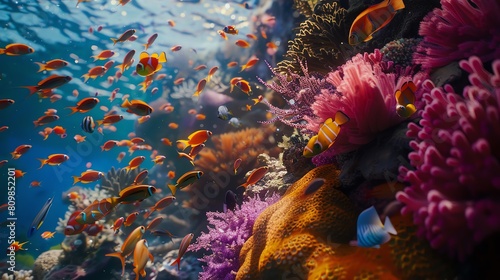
pixel 326 136
pixel 148 65
pixel 405 97
pixel 372 20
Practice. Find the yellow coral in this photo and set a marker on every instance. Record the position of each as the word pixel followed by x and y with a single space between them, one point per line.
pixel 306 236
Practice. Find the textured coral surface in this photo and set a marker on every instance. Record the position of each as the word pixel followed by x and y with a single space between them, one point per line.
pixel 305 236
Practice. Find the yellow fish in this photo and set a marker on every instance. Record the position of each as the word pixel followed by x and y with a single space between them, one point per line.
pixel 128 246
pixel 327 134
pixel 405 97
pixel 141 256
pixel 372 20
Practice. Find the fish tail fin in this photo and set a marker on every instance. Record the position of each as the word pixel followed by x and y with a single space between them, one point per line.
pixel 184 142
pixel 172 188
pixel 75 179
pixel 178 262
pixel 122 259
pixel 146 46
pixel 86 77
pixel 42 161
pixel 149 212
pixel 2 51
pixel 95 57
pixel 73 110
pixel 126 103
pixel 396 4
pixel 14 155
pixel 208 78
pixel 341 118
pixel 99 122
pixel 32 89
pixel 389 227
pixel 243 68
pixel 114 41
pixel 162 58
pixel 42 66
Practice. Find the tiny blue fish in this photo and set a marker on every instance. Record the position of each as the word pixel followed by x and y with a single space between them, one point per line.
pixel 371 232
pixel 40 217
pixel 224 113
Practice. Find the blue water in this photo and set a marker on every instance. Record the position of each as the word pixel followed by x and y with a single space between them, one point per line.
pixel 57 29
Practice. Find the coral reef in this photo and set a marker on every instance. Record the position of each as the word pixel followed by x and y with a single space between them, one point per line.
pixel 365 88
pixel 217 163
pixel 305 235
pixel 455 184
pixel 45 262
pixel 226 234
pixel 18 275
pixel 459 29
pixel 400 51
pixel 321 39
pixel 190 267
pixel 293 160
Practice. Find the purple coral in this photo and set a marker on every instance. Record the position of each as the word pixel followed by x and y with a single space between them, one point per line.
pixel 454 192
pixel 461 28
pixel 365 87
pixel 299 92
pixel 227 232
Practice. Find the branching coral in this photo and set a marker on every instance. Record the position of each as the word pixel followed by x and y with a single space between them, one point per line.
pixel 455 187
pixel 365 88
pixel 226 234
pixel 321 39
pixel 461 28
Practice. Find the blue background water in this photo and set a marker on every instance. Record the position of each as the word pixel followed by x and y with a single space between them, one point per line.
pixel 57 29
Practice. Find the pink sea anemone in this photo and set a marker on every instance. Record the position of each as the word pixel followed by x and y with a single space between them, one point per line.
pixel 365 88
pixel 454 192
pixel 461 28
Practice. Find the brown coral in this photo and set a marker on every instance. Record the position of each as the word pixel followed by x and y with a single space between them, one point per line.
pixel 321 39
pixel 306 236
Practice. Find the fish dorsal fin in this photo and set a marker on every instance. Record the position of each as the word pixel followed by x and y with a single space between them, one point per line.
pixel 370 218
pixel 407 95
pixel 162 58
pixel 143 55
pixel 329 120
pixel 389 227
pixel 341 118
pixel 155 55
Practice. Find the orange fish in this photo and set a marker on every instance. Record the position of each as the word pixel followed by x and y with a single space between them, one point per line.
pixel 143 119
pixel 182 249
pixel 242 43
pixel 171 23
pixel 20 150
pixel 173 125
pixel 372 20
pixel 137 107
pixel 211 72
pixel 230 29
pixel 251 36
pixel 154 223
pixel 405 98
pixel 124 37
pixel 159 159
pixel 255 176
pixel 141 256
pixel 179 81
pixel 94 73
pixel 140 177
pixel 196 138
pixel 151 40
pixel 148 65
pixel 232 64
pixel 244 86
pixel 127 61
pixel 17 49
pixel 73 195
pixel 4 128
pixel 171 174
pixel 117 224
pixel 18 173
pixel 50 82
pixel 97 210
pixel 52 65
pixel 79 138
pixel 84 105
pixel 110 119
pixel 134 163
pixel 35 184
pixel 88 176
pixel 4 103
pixel 166 141
pixel 251 62
pixel 200 117
pixel 233 82
pixel 54 159
pixel 121 155
pixel 134 193
pixel 236 165
pixel 271 45
pixel 176 48
pixel 47 234
pixel 200 87
pixel 222 34
pixel 103 55
pixel 59 130
pixel 16 246
pixel 45 119
pixel 131 219
pixel 200 67
pixel 108 145
pixel 128 246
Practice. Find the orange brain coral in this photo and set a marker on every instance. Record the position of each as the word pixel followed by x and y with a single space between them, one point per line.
pixel 305 236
